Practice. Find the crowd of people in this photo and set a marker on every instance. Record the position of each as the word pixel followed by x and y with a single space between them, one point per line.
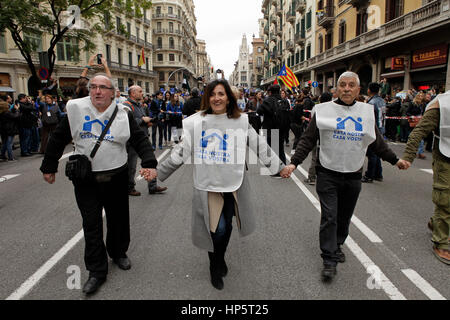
pixel 137 125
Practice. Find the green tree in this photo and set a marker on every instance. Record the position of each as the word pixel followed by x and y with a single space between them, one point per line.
pixel 23 17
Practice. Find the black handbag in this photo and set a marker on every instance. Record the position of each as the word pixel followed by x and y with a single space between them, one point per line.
pixel 79 167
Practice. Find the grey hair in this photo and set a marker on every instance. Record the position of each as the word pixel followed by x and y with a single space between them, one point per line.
pixel 103 75
pixel 349 74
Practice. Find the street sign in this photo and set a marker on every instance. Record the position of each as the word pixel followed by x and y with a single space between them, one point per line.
pixel 43 73
pixel 315 84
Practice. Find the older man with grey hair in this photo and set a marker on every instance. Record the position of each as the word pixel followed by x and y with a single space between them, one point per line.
pixel 345 129
pixel 141 115
pixel 106 185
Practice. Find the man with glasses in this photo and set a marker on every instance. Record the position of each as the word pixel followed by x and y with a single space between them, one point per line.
pixel 107 186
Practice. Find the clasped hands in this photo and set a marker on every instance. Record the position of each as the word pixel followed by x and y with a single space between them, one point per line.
pixel 148 174
pixel 287 170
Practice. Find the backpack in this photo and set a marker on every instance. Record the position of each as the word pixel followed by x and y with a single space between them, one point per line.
pixel 50 116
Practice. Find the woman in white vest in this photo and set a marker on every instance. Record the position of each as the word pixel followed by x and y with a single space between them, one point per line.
pixel 107 187
pixel 345 129
pixel 436 119
pixel 215 141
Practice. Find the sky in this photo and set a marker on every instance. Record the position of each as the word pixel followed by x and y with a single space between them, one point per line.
pixel 222 23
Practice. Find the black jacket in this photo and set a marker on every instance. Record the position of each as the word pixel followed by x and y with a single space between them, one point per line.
pixel 9 122
pixel 268 109
pixel 191 105
pixel 28 118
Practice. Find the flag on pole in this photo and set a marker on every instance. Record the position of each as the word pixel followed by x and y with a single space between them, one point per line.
pixel 288 78
pixel 141 59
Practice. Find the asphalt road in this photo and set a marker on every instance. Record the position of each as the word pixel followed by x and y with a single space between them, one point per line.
pixel 389 252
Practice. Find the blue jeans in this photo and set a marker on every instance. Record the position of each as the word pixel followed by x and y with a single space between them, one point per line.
pixel 25 140
pixel 421 147
pixel 223 231
pixel 7 146
pixel 35 139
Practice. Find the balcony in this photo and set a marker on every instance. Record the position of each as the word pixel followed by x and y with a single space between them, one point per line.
pixel 279 11
pixel 159 16
pixel 359 3
pixel 168 31
pixel 148 45
pixel 169 48
pixel 299 38
pixel 266 29
pixel 290 45
pixel 290 16
pixel 326 18
pixel 115 66
pixel 132 39
pixel 300 6
pixel 146 21
pixel 279 32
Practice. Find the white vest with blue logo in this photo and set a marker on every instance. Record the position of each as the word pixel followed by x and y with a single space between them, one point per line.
pixel 217 149
pixel 444 129
pixel 86 126
pixel 345 134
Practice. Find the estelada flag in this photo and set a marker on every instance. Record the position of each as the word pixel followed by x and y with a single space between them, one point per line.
pixel 288 77
pixel 141 59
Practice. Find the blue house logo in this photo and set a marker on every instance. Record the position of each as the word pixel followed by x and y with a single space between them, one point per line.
pixel 205 140
pixel 87 126
pixel 341 123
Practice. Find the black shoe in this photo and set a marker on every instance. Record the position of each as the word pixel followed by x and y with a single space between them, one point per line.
pixel 93 284
pixel 378 179
pixel 157 190
pixel 134 193
pixel 328 273
pixel 25 154
pixel 366 180
pixel 310 181
pixel 215 271
pixel 123 263
pixel 340 255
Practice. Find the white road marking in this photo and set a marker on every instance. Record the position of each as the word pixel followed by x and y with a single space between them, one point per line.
pixel 423 285
pixel 430 171
pixel 8 177
pixel 32 281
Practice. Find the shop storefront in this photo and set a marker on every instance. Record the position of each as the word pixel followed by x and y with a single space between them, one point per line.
pixel 429 68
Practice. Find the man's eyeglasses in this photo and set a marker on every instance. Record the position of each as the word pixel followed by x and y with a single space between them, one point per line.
pixel 101 87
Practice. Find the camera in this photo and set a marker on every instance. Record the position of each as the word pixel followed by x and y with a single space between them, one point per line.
pixel 99 58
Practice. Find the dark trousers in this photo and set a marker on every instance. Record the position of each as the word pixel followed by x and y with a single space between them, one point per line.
pixel 45 136
pixel 112 196
pixel 223 231
pixel 297 129
pixel 277 135
pixel 374 168
pixel 25 140
pixel 35 139
pixel 160 127
pixel 338 194
pixel 391 129
pixel 132 164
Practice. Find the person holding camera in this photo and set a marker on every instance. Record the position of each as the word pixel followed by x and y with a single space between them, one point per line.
pixel 99 172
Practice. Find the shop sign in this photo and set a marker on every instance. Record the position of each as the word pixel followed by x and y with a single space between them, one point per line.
pixel 430 56
pixel 397 64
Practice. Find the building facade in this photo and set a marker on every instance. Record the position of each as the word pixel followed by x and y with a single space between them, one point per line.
pixel 175 43
pixel 203 64
pixel 121 47
pixel 397 39
pixel 257 62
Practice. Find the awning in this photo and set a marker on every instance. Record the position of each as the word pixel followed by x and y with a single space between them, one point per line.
pixel 7 89
pixel 393 74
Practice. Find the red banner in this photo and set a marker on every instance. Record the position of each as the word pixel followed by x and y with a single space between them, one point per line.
pixel 430 56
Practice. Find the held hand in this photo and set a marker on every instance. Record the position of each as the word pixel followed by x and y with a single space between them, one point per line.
pixel 149 174
pixel 146 119
pixel 403 164
pixel 287 171
pixel 49 177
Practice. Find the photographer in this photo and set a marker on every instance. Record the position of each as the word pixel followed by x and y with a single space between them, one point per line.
pixel 105 185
